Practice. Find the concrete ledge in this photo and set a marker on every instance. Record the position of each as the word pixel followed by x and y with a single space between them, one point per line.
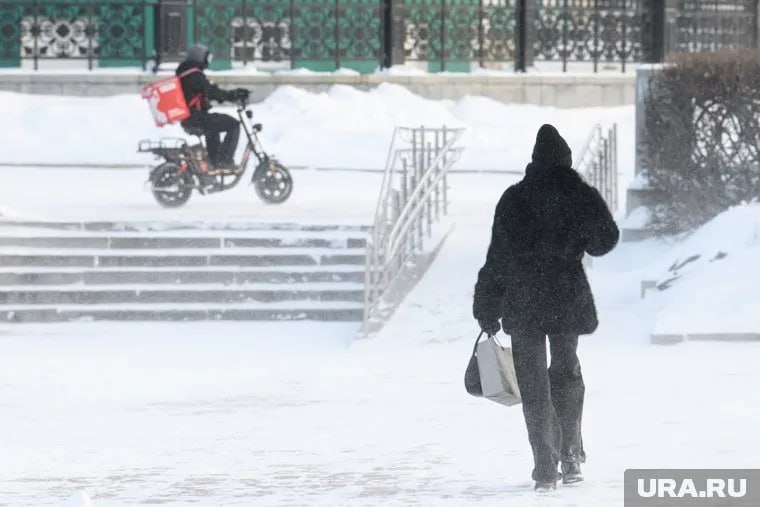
pixel 170 225
pixel 631 235
pixel 647 285
pixel 89 314
pixel 559 90
pixel 667 339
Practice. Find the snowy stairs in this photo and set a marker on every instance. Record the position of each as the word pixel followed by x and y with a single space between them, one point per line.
pixel 180 271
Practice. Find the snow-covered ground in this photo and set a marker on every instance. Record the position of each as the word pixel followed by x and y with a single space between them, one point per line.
pixel 343 127
pixel 332 197
pixel 301 414
pixel 218 414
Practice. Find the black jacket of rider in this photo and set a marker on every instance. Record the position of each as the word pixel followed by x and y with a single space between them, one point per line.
pixel 198 90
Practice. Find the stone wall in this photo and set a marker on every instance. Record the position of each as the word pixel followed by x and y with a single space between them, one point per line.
pixel 562 90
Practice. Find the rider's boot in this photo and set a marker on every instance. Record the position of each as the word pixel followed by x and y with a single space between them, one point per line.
pixel 226 166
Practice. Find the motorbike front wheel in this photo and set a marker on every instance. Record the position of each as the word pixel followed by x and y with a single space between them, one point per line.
pixel 272 182
pixel 171 188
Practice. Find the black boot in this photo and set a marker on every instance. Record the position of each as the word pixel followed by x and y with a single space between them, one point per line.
pixel 544 486
pixel 571 472
pixel 546 481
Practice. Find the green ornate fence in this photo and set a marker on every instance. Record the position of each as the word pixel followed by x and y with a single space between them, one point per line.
pixel 367 34
pixel 113 33
pixel 316 34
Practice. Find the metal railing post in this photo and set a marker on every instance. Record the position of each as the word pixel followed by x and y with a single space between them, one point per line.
pixel 404 210
pixel 615 166
pixel 437 186
pixel 445 177
pixel 428 211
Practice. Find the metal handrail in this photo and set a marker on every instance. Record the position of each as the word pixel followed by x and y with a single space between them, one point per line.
pixel 411 209
pixel 413 192
pixel 597 163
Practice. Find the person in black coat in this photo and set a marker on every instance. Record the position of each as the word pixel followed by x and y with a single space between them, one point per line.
pixel 533 280
pixel 199 92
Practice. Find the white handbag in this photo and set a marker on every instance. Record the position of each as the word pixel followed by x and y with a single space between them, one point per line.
pixel 491 372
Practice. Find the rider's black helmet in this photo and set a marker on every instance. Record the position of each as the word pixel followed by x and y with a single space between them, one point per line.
pixel 199 53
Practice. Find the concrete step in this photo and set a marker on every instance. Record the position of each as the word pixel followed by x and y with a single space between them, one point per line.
pixel 25 315
pixel 169 259
pixel 165 243
pixel 63 271
pixel 129 277
pixel 213 294
pixel 162 226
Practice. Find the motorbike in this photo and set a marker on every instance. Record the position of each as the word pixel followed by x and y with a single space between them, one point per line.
pixel 186 167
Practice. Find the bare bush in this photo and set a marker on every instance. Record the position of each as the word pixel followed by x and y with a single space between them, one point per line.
pixel 701 142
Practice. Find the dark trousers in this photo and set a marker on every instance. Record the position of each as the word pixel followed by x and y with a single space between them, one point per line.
pixel 552 399
pixel 213 124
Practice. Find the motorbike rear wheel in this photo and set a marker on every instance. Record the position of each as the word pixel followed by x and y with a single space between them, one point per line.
pixel 272 181
pixel 170 188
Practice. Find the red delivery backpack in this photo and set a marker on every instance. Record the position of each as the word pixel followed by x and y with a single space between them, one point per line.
pixel 166 100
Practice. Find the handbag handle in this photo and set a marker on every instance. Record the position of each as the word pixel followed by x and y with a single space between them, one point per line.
pixel 477 340
pixel 475 347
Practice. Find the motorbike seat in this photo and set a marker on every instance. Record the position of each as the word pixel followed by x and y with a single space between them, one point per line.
pixel 193 131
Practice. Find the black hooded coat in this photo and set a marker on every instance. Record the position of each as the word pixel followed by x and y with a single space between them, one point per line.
pixel 533 277
pixel 198 90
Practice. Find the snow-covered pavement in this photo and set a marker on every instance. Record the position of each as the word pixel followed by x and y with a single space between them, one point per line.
pixel 296 414
pixel 332 197
pixel 342 127
pixel 219 414
pixel 301 413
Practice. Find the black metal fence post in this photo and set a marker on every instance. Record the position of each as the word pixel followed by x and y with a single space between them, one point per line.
pixel 36 33
pixel 336 20
pixel 244 32
pixel 625 34
pixel 755 22
pixel 596 35
pixel 394 35
pixel 195 21
pixel 293 35
pixel 522 36
pixel 443 35
pixel 91 32
pixel 565 21
pixel 386 34
pixel 145 28
pixel 480 33
pixel 653 32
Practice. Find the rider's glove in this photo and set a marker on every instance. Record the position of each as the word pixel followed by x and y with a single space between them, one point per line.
pixel 240 94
